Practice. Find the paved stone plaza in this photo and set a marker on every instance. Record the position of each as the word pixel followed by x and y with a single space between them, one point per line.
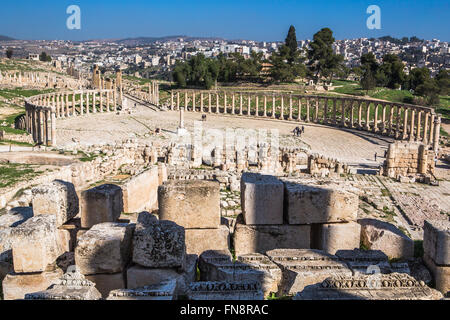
pixel 349 146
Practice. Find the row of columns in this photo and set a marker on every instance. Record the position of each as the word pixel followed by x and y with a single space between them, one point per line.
pixel 403 122
pixel 43 110
pixel 41 124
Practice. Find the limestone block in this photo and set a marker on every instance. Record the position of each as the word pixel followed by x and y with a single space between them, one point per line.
pixel 436 241
pixel 379 235
pixel 254 267
pixel 15 285
pixel 332 237
pixel 395 286
pixel 72 286
pixel 210 261
pixel 101 204
pixel 36 244
pixel 58 198
pixel 190 203
pixel 105 248
pixel 138 276
pixel 365 261
pixel 441 275
pixel 159 244
pixel 15 217
pixel 213 290
pixel 306 204
pixel 105 283
pixel 304 267
pixel 200 240
pixel 161 291
pixel 6 260
pixel 140 192
pixel 259 239
pixel 261 199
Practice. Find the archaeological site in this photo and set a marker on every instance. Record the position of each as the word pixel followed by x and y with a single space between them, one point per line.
pixel 201 170
pixel 146 194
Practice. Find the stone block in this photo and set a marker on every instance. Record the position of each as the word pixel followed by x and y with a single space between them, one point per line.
pixel 72 286
pixel 58 198
pixel 140 192
pixel 213 290
pixel 200 240
pixel 306 204
pixel 190 203
pixel 395 286
pixel 101 204
pixel 441 275
pixel 332 237
pixel 105 248
pixel 15 285
pixel 8 221
pixel 159 244
pixel 210 261
pixel 436 241
pixel 259 239
pixel 379 235
pixel 15 217
pixel 304 267
pixel 36 244
pixel 105 283
pixel 261 199
pixel 161 291
pixel 253 267
pixel 365 261
pixel 138 276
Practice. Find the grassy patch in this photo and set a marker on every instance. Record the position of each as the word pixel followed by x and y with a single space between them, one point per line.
pixel 12 173
pixel 273 296
pixel 17 143
pixel 21 93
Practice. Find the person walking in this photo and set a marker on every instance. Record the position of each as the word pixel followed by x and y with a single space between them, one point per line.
pixel 376 155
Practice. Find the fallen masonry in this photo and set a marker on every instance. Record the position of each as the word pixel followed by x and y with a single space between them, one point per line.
pixel 67 247
pixel 394 286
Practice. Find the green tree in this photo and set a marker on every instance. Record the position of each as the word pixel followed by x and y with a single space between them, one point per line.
pixel 430 90
pixel 368 61
pixel 417 77
pixel 368 81
pixel 391 72
pixel 443 82
pixel 9 53
pixel 287 62
pixel 291 43
pixel 322 60
pixel 45 57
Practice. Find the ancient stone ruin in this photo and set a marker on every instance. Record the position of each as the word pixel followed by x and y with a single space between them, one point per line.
pixel 303 242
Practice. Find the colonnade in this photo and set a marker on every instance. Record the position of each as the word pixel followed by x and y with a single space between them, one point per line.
pixel 43 110
pixel 397 120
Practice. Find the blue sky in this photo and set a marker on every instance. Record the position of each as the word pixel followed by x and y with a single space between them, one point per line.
pixel 263 20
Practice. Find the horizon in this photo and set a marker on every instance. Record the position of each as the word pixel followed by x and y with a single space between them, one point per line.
pixel 258 21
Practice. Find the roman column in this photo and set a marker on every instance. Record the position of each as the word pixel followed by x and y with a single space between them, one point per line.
pixel 437 128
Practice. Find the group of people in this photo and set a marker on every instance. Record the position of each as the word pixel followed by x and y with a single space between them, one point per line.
pixel 298 131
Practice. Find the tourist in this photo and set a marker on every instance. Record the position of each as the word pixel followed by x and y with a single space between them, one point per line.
pixel 376 155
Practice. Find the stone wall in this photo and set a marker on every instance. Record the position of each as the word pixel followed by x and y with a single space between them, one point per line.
pixel 408 158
